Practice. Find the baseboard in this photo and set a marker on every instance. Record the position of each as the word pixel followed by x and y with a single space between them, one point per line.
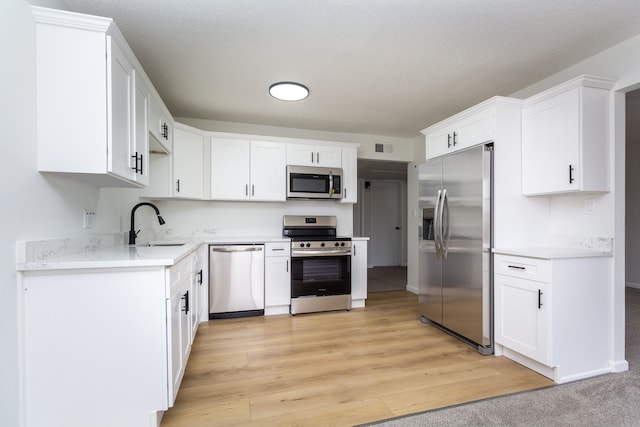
pixel 619 366
pixel 632 285
pixel 412 289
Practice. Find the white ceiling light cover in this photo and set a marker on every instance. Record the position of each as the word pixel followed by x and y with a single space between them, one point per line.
pixel 288 91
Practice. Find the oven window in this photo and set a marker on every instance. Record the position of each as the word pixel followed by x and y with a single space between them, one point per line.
pixel 320 276
pixel 307 183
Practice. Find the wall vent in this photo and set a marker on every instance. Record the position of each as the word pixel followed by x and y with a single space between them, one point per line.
pixel 384 148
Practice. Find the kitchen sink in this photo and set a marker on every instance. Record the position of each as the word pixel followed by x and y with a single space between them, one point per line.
pixel 166 243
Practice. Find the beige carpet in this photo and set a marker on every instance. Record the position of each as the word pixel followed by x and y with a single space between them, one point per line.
pixel 383 279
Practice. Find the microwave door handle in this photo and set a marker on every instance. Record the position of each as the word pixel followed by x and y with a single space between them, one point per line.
pixel 330 184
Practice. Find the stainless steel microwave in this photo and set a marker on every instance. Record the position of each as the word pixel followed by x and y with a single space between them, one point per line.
pixel 313 182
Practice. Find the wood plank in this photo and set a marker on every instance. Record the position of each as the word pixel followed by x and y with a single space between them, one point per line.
pixel 337 368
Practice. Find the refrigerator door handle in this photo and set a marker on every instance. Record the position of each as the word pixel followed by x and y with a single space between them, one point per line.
pixel 444 225
pixel 436 225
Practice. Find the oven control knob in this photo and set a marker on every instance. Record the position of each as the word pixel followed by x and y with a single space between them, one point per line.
pixel 342 244
pixel 337 244
pixel 322 245
pixel 308 244
pixel 302 245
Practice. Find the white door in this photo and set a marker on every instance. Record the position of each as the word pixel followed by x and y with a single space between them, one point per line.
pixel 386 223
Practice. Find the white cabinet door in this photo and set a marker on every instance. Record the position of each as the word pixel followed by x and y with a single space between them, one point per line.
pixel 358 269
pixel 178 321
pixel 464 132
pixel 188 164
pixel 119 104
pixel 314 155
pixel 550 145
pixel 349 175
pixel 277 278
pixel 159 127
pixel 277 281
pixel 230 169
pixel 565 133
pixel 328 156
pixel 268 171
pixel 140 149
pixel 522 320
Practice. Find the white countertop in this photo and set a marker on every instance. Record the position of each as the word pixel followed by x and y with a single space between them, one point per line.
pixel 552 252
pixel 113 257
pixel 109 251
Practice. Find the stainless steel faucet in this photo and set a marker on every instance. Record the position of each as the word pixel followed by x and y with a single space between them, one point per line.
pixel 132 233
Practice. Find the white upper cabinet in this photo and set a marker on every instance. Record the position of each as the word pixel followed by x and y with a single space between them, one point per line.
pixel 314 155
pixel 268 171
pixel 188 163
pixel 468 128
pixel 248 170
pixel 565 133
pixel 88 102
pixel 349 175
pixel 160 127
pixel 140 142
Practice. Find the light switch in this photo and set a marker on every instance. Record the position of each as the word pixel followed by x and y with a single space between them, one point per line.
pixel 590 206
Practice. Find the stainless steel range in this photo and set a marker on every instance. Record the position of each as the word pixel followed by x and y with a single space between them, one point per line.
pixel 320 264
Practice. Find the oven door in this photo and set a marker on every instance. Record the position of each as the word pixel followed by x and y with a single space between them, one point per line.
pixel 320 275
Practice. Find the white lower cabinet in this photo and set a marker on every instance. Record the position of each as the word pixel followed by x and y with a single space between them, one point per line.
pixel 358 272
pixel 551 315
pixel 277 278
pixel 115 338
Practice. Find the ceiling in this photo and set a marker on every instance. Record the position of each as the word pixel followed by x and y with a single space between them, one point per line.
pixel 373 67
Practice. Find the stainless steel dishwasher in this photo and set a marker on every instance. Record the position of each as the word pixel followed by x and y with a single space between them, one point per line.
pixel 236 281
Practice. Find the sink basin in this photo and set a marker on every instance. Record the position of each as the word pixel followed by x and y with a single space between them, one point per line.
pixel 166 243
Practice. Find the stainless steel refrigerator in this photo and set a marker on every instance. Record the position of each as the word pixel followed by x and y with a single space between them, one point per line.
pixel 455 268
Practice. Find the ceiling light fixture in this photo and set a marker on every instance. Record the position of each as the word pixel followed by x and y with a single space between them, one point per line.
pixel 288 91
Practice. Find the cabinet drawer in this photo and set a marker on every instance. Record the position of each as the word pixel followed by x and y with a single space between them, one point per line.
pixel 523 267
pixel 277 249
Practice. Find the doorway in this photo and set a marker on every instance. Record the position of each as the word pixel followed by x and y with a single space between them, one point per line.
pixel 632 188
pixel 381 215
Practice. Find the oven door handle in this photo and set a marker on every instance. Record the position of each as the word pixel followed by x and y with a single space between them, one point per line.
pixel 324 252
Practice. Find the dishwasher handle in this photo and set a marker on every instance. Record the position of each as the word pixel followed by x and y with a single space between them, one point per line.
pixel 236 249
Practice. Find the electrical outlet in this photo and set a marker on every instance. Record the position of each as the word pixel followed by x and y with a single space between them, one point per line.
pixel 88 217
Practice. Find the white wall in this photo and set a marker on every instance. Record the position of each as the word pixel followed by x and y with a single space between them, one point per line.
pixel 34 206
pixel 233 219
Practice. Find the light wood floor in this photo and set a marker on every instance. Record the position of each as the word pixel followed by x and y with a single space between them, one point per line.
pixel 334 369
